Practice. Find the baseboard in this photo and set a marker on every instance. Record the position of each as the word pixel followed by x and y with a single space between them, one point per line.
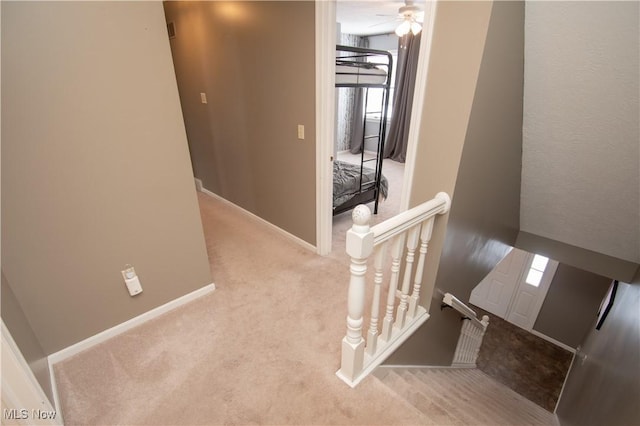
pixel 552 340
pixel 198 184
pixel 105 335
pixel 280 231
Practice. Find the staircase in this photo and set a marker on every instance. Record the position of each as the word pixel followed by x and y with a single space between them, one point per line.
pixel 462 396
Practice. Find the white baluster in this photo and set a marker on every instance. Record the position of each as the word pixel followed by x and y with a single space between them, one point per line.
pixel 412 243
pixel 372 334
pixel 396 253
pixel 425 237
pixel 359 247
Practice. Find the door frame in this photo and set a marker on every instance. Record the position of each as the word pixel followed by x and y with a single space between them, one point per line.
pixel 325 22
pixel 21 391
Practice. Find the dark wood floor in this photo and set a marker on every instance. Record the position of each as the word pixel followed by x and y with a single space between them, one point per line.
pixel 529 365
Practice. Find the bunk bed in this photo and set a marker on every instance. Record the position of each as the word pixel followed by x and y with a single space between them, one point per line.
pixel 354 184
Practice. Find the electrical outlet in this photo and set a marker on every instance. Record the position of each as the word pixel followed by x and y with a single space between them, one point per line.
pixel 300 131
pixel 131 280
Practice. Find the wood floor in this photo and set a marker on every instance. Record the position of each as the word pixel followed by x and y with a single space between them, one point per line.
pixel 463 397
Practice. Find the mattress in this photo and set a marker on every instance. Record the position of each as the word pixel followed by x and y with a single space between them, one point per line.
pixel 346 181
pixel 360 74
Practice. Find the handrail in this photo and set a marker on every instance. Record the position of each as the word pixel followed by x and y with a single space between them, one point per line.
pixel 396 316
pixel 457 304
pixel 398 224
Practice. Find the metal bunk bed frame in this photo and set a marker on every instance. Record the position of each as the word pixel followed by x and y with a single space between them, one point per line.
pixel 369 191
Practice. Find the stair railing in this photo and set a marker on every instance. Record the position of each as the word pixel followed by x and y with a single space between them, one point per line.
pixel 402 313
pixel 471 333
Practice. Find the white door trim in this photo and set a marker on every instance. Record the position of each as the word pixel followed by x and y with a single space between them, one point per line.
pixel 21 391
pixel 418 104
pixel 325 115
pixel 325 120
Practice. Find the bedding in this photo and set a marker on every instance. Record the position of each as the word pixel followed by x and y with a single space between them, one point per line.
pixel 363 73
pixel 346 181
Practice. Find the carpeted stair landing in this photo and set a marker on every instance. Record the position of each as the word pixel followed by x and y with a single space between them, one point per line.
pixel 463 397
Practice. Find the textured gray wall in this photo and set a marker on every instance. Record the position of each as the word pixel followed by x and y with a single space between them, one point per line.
pixel 581 156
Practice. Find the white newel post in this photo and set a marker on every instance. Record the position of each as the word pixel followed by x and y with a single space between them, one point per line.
pixel 469 342
pixel 359 248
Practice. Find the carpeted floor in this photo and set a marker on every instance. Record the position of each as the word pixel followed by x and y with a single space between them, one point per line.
pixel 262 349
pixel 531 366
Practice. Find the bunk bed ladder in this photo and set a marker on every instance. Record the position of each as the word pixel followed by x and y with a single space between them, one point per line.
pixel 366 75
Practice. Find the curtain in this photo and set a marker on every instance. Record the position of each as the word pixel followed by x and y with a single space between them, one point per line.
pixel 350 108
pixel 396 142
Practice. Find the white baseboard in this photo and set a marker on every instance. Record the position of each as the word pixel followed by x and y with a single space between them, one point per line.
pixel 281 231
pixel 105 335
pixel 127 325
pixel 552 340
pixel 198 184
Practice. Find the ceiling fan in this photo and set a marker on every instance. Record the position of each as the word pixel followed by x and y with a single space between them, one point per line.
pixel 412 17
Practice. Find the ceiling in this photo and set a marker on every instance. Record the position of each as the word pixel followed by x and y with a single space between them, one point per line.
pixel 367 17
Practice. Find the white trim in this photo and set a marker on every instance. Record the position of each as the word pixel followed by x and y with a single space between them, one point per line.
pixel 54 388
pixel 128 325
pixel 417 108
pixel 371 363
pixel 280 231
pixel 325 120
pixel 552 340
pixel 20 388
pixel 198 184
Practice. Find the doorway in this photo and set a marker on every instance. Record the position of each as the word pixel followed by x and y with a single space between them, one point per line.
pixel 325 116
pixel 516 288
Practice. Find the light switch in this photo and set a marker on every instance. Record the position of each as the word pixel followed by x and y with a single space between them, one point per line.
pixel 300 131
pixel 203 98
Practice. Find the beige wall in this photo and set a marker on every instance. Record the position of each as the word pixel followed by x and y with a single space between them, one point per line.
pixel 576 290
pixel 604 381
pixel 472 135
pixel 256 63
pixel 95 167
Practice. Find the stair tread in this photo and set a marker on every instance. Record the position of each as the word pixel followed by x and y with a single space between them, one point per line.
pixel 463 396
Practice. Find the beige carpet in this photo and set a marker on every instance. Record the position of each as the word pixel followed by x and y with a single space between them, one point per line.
pixel 262 349
pixel 463 396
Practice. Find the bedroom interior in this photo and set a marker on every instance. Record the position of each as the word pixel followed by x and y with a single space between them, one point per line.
pixel 368 133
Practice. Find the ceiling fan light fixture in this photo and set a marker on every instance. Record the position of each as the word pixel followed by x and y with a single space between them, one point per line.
pixel 415 28
pixel 404 28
